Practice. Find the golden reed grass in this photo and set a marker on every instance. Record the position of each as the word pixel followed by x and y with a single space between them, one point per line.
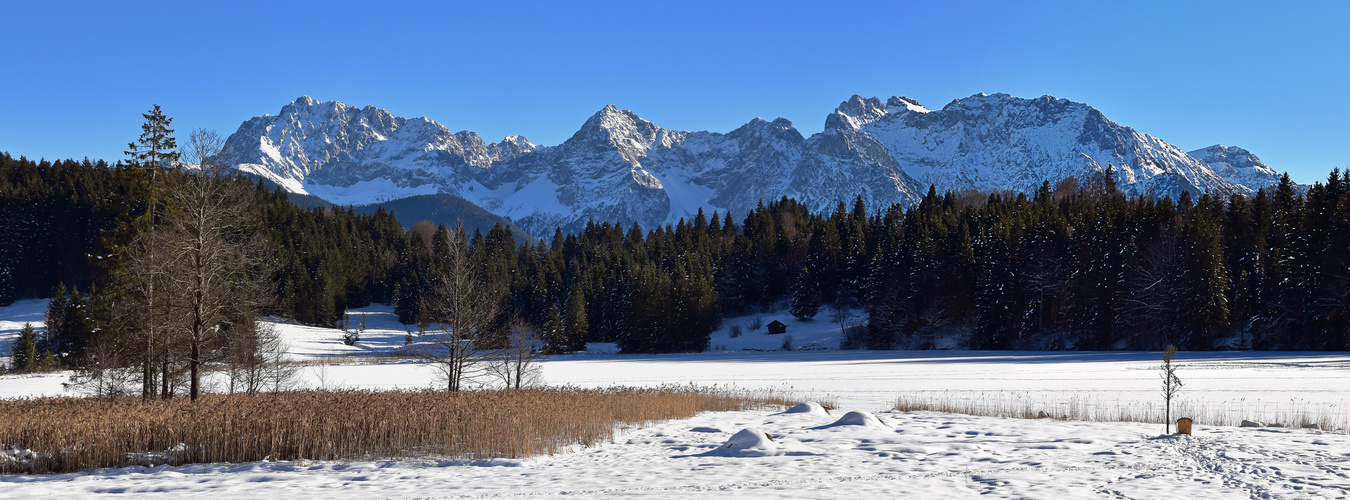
pixel 70 434
pixel 1295 413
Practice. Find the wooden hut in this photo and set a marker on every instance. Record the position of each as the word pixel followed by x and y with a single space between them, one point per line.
pixel 777 327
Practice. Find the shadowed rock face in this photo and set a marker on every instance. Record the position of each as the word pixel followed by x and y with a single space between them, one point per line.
pixel 619 167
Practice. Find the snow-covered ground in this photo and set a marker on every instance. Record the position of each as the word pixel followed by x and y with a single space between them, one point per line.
pixel 909 455
pixel 14 316
pixel 922 454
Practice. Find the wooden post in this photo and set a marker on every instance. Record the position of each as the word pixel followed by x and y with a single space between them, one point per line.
pixel 1184 426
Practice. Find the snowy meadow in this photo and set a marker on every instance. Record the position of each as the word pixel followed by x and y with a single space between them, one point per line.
pixel 1078 452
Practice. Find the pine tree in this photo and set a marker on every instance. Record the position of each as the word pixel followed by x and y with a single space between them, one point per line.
pixel 999 309
pixel 136 266
pixel 575 326
pixel 1204 300
pixel 1241 256
pixel 806 299
pixel 8 294
pixel 156 149
pixel 67 326
pixel 24 353
pixel 554 340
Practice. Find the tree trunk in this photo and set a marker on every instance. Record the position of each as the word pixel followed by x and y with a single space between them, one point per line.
pixel 1167 418
pixel 165 391
pixel 196 367
pixel 148 372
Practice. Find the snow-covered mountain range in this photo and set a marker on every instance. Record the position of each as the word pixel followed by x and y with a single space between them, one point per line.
pixel 619 167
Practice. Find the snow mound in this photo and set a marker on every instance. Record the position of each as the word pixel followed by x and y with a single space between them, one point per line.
pixel 810 408
pixel 16 456
pixel 749 442
pixel 859 418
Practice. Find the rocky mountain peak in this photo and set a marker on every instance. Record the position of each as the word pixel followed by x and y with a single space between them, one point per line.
pixel 621 130
pixel 620 167
pixel 856 112
pixel 1237 164
pixel 304 101
pixel 762 126
pixel 510 147
pixel 611 118
pixel 900 102
pixel 1225 153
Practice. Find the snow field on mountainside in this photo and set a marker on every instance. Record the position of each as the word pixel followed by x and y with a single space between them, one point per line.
pixel 360 192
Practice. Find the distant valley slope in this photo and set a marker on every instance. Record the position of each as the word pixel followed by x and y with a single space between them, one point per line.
pixel 619 167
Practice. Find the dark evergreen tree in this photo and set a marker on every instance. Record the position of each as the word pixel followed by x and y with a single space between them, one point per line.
pixel 575 325
pixel 24 353
pixel 999 306
pixel 806 299
pixel 554 339
pixel 156 149
pixel 136 264
pixel 8 294
pixel 1203 296
pixel 67 330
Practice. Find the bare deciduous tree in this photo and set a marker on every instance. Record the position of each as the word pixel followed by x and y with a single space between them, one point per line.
pixel 256 361
pixel 101 372
pixel 516 360
pixel 933 322
pixel 1044 277
pixel 216 260
pixel 840 312
pixel 461 311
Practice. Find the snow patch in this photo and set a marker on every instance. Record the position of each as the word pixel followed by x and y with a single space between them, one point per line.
pixel 366 192
pixel 290 184
pixel 752 442
pixel 809 408
pixel 516 200
pixel 686 197
pixel 857 418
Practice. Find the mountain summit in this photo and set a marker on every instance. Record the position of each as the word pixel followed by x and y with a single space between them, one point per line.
pixel 620 167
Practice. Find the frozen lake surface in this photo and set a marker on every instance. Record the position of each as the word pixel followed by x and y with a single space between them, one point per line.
pixel 920 454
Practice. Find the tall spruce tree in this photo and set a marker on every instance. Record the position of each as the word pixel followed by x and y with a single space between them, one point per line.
pixel 1204 297
pixel 999 308
pixel 24 351
pixel 806 299
pixel 575 326
pixel 8 294
pixel 554 341
pixel 67 324
pixel 137 261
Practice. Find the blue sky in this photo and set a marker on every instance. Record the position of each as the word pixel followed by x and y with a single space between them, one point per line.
pixel 1269 77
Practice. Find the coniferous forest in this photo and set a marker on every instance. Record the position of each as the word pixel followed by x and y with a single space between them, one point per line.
pixel 1076 265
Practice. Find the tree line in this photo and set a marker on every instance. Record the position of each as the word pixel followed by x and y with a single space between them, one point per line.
pixel 177 259
pixel 1076 265
pixel 54 217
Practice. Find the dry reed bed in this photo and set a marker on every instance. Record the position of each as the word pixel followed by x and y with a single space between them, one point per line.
pixel 1295 413
pixel 70 434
